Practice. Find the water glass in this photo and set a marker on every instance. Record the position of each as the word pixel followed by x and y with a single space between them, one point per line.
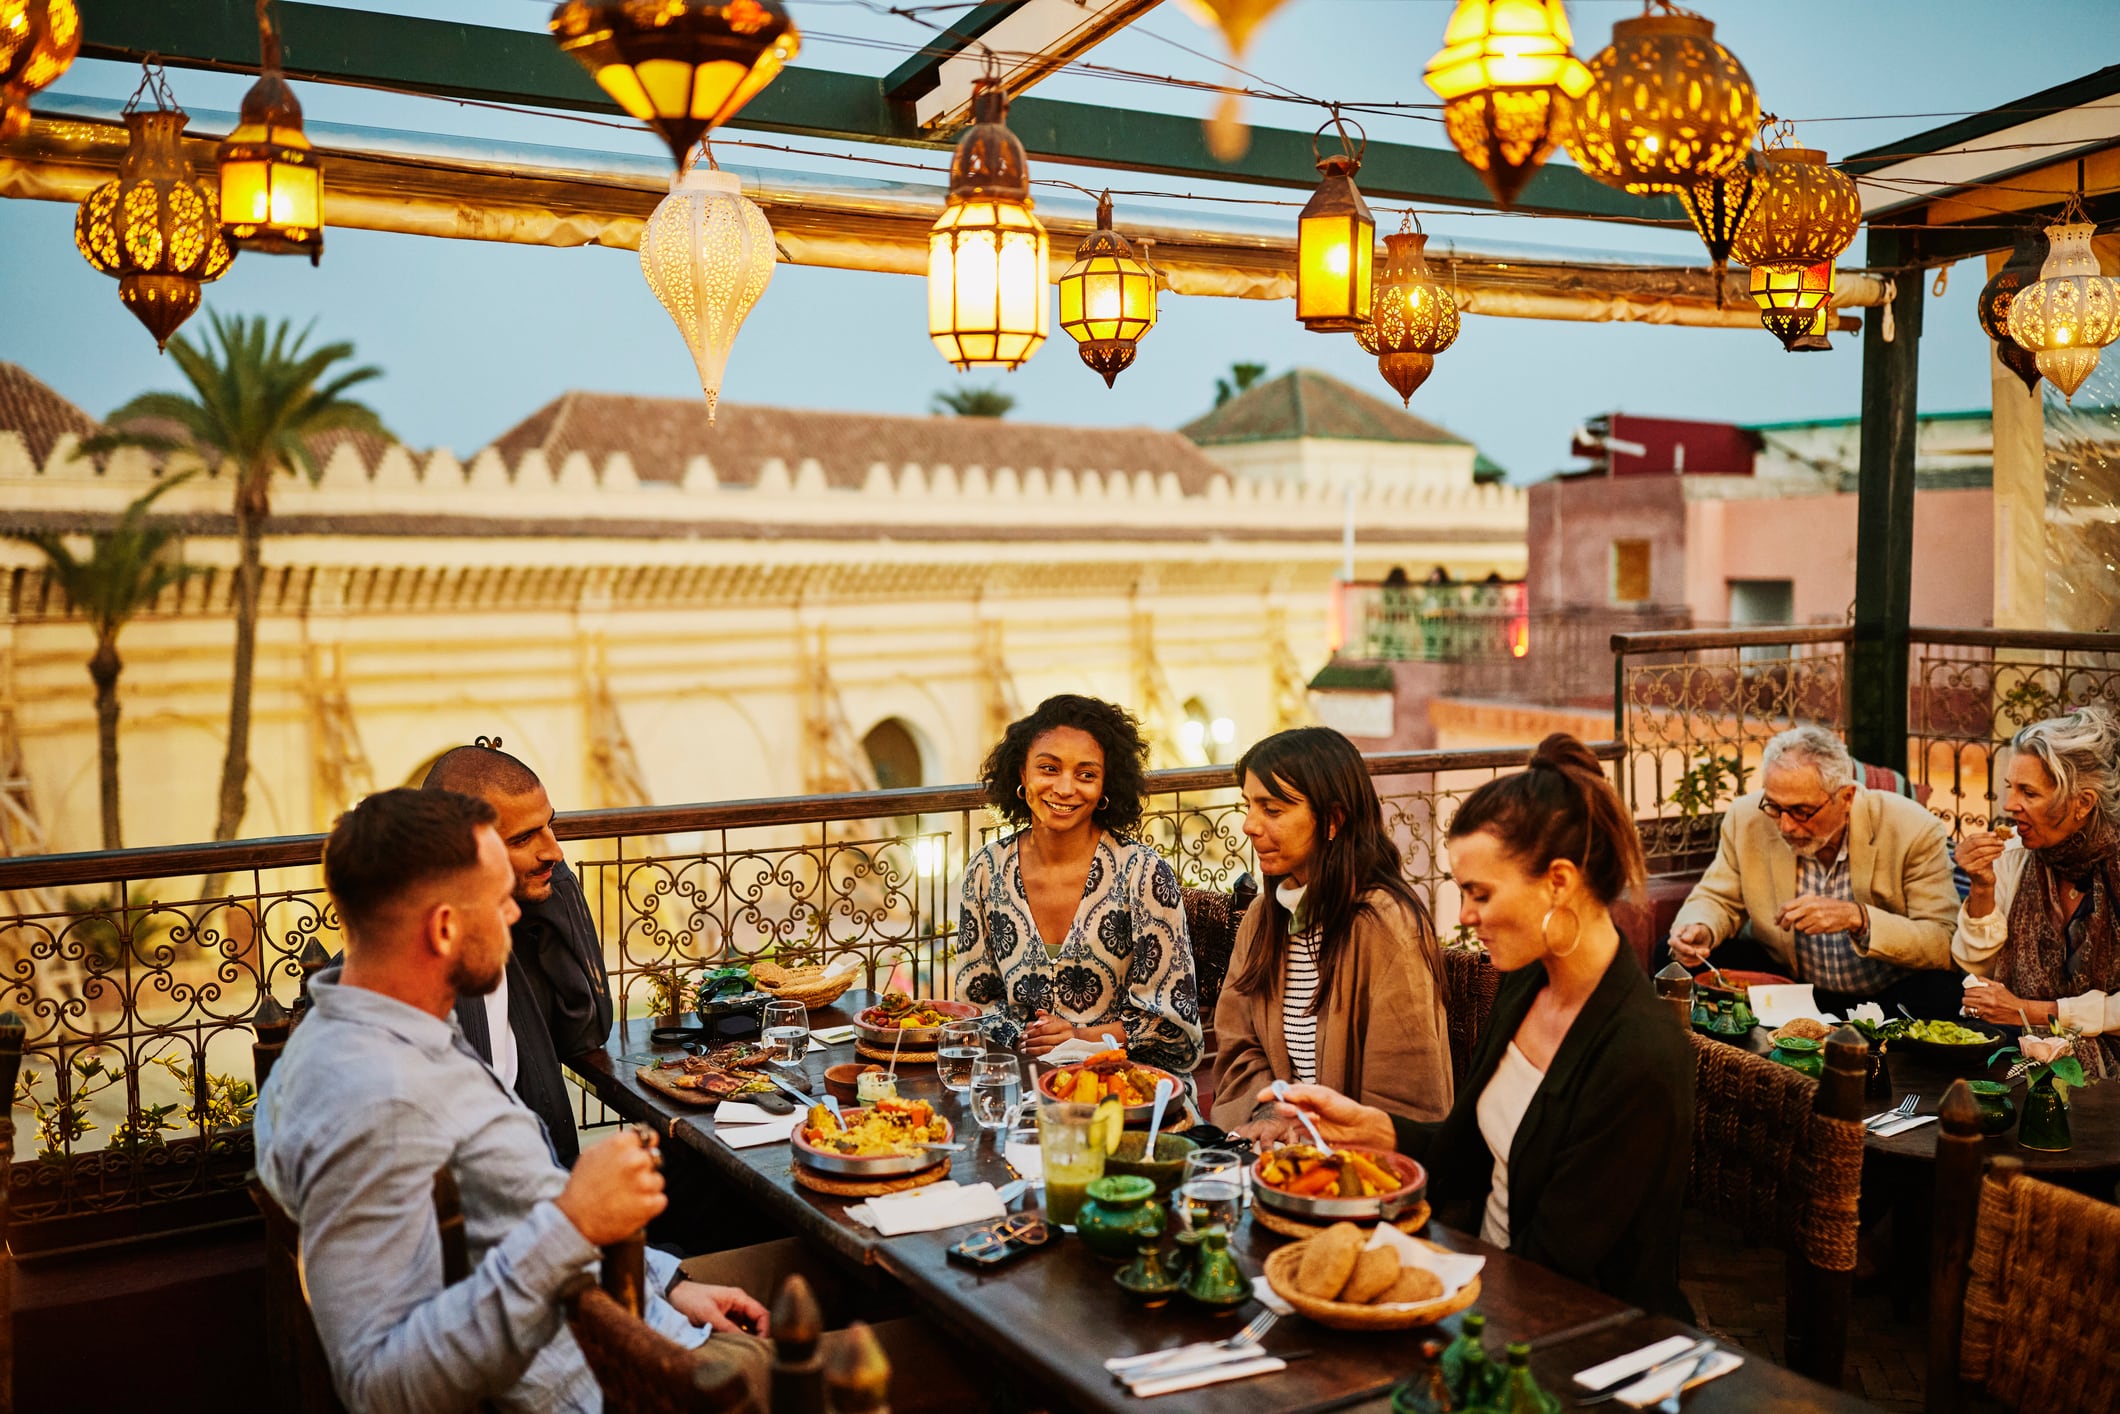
pixel 1212 1191
pixel 960 1044
pixel 996 1082
pixel 1020 1151
pixel 786 1033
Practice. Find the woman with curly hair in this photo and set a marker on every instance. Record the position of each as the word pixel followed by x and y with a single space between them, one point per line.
pixel 1071 928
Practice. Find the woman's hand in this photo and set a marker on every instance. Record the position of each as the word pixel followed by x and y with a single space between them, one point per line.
pixel 1269 1130
pixel 1048 1031
pixel 1977 853
pixel 1991 1001
pixel 1339 1119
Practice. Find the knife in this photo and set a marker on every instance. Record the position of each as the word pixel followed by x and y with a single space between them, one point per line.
pixel 830 1102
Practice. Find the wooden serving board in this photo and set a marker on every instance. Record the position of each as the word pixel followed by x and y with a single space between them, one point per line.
pixel 658 1080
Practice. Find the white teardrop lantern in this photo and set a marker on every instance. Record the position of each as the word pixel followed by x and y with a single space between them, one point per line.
pixel 2071 312
pixel 708 254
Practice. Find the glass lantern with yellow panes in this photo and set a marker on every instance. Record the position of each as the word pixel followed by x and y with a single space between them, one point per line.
pixel 272 186
pixel 1107 298
pixel 987 252
pixel 1791 297
pixel 1336 244
pixel 1502 72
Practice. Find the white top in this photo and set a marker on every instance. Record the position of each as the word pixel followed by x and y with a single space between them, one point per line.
pixel 1299 1025
pixel 1978 941
pixel 498 1033
pixel 1501 1110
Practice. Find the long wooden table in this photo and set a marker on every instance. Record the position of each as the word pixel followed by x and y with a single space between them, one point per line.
pixel 1055 1315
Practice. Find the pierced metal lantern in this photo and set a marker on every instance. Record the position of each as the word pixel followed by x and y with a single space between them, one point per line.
pixel 1504 68
pixel 38 42
pixel 156 226
pixel 1107 298
pixel 272 186
pixel 1335 250
pixel 707 254
pixel 1790 300
pixel 1719 207
pixel 2071 312
pixel 1667 106
pixel 683 67
pixel 1814 339
pixel 1806 212
pixel 1415 317
pixel 1996 297
pixel 987 254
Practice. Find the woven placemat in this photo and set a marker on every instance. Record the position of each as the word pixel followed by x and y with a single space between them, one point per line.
pixel 908 1056
pixel 868 1187
pixel 1410 1222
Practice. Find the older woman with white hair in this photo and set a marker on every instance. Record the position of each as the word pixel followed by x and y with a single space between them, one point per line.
pixel 2042 922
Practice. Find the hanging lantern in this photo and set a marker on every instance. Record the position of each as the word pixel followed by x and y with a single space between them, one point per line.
pixel 1718 208
pixel 1107 298
pixel 1790 300
pixel 272 186
pixel 38 41
pixel 987 253
pixel 1995 300
pixel 683 67
pixel 1504 68
pixel 156 226
pixel 1415 317
pixel 1228 137
pixel 1667 106
pixel 708 254
pixel 1814 339
pixel 2070 312
pixel 1806 212
pixel 1335 246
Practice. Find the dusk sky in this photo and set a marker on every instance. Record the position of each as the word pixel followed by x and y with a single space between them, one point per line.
pixel 473 335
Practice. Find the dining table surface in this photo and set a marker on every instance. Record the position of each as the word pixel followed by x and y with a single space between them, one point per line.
pixel 1054 1314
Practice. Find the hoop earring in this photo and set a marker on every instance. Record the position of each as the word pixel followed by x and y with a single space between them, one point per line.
pixel 1575 939
pixel 1021 796
pixel 1098 808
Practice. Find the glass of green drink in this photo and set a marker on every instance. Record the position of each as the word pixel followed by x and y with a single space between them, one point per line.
pixel 1071 1158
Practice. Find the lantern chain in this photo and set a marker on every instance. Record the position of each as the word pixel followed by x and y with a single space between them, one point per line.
pixel 154 83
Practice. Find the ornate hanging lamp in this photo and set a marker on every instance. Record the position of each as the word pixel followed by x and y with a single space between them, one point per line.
pixel 1719 207
pixel 987 254
pixel 1806 211
pixel 38 42
pixel 683 67
pixel 1814 339
pixel 155 226
pixel 272 186
pixel 1667 107
pixel 2071 312
pixel 1336 243
pixel 707 253
pixel 1228 137
pixel 1415 318
pixel 1791 299
pixel 1107 298
pixel 1997 296
pixel 1504 69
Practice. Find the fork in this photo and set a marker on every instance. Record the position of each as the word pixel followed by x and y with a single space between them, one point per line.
pixel 1903 1110
pixel 1671 1402
pixel 1280 1092
pixel 1252 1333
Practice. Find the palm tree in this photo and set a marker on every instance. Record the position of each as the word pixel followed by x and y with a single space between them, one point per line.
pixel 975 402
pixel 127 567
pixel 1241 376
pixel 258 401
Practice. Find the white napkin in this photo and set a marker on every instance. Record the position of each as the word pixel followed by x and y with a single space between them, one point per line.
pixel 1901 1126
pixel 1778 1006
pixel 1268 1297
pixel 743 1112
pixel 1645 1392
pixel 833 1035
pixel 1028 1160
pixel 774 1129
pixel 1452 1269
pixel 1076 1051
pixel 1633 1363
pixel 930 1209
pixel 1150 1387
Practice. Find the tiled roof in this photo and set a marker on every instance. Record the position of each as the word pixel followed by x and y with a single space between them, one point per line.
pixel 1307 403
pixel 661 434
pixel 41 417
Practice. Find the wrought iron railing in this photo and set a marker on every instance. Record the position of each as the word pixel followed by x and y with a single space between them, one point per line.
pixel 138 972
pixel 1431 623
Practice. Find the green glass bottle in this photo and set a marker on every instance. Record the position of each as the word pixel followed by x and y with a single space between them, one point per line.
pixel 1520 1392
pixel 1423 1391
pixel 1471 1333
pixel 1483 1380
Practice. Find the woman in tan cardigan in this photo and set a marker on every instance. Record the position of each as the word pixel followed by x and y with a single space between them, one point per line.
pixel 1336 978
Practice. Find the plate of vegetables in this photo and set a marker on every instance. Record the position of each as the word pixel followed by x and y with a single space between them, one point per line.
pixel 884 1140
pixel 1112 1075
pixel 901 1020
pixel 1328 1185
pixel 1961 1046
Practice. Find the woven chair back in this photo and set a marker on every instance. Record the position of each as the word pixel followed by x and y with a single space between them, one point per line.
pixel 1211 922
pixel 1469 984
pixel 2044 1284
pixel 642 1371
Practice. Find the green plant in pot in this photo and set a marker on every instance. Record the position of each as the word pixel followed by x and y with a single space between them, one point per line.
pixel 2049 1067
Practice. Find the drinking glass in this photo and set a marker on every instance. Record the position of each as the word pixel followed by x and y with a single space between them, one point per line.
pixel 996 1080
pixel 786 1033
pixel 1020 1150
pixel 960 1044
pixel 1212 1191
pixel 1070 1162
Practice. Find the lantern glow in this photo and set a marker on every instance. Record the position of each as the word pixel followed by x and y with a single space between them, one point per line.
pixel 1107 298
pixel 1415 317
pixel 1806 211
pixel 2071 312
pixel 707 254
pixel 1667 106
pixel 272 187
pixel 1790 300
pixel 38 42
pixel 987 253
pixel 2000 292
pixel 1503 71
pixel 1335 251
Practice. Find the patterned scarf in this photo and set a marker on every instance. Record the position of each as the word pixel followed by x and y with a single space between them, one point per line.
pixel 2040 960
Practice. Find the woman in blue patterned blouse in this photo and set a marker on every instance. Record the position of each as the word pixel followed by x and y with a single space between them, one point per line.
pixel 1070 927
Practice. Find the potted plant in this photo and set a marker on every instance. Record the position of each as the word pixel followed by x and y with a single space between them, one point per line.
pixel 669 996
pixel 2049 1067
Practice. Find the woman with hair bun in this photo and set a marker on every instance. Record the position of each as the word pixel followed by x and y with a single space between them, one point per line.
pixel 1071 929
pixel 1572 1135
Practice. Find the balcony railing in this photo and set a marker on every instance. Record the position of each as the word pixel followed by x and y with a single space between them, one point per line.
pixel 1431 623
pixel 139 971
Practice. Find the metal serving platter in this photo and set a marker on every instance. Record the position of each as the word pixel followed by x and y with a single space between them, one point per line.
pixel 1137 1116
pixel 1387 1207
pixel 882 1166
pixel 913 1038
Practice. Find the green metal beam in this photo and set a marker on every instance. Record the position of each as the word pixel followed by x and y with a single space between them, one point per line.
pixel 450 60
pixel 917 74
pixel 1884 518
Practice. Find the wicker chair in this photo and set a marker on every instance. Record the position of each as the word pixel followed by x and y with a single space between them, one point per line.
pixel 1780 1155
pixel 1211 920
pixel 11 1033
pixel 2022 1282
pixel 1469 984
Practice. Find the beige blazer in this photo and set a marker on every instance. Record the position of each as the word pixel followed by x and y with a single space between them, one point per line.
pixel 1382 1036
pixel 1899 865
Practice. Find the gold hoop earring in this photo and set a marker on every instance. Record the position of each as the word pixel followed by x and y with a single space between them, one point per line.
pixel 1575 939
pixel 1021 796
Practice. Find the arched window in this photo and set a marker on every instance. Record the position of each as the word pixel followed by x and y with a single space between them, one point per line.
pixel 894 755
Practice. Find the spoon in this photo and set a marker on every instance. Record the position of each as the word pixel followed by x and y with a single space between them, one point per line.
pixel 1280 1092
pixel 1164 1090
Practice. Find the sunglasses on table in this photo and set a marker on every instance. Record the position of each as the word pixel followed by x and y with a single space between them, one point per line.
pixel 997 1242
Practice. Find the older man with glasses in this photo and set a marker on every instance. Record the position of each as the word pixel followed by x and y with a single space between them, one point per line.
pixel 1815 877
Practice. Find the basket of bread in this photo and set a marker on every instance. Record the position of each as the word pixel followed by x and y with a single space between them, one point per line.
pixel 1372 1279
pixel 815 985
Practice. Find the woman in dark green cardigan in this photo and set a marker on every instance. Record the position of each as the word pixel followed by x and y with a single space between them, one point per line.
pixel 1574 1130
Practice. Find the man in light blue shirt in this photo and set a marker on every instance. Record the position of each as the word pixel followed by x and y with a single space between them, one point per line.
pixel 378 1089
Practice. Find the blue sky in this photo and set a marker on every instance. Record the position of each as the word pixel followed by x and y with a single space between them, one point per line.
pixel 474 335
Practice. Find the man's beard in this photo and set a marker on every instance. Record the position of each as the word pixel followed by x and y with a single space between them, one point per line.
pixel 476 984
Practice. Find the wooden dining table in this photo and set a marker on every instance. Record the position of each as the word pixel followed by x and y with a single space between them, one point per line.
pixel 1054 1315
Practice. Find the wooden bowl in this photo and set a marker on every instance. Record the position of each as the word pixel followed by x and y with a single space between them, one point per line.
pixel 842 1080
pixel 1346 1316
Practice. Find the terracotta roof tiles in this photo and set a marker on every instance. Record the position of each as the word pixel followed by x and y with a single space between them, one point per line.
pixel 1307 403
pixel 30 408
